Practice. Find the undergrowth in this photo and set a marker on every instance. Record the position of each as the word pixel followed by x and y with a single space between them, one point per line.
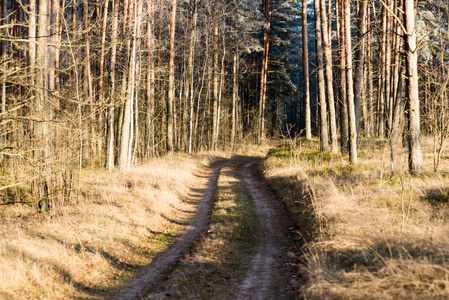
pixel 368 232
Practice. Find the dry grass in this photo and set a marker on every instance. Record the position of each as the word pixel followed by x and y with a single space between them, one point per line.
pixel 117 223
pixel 372 233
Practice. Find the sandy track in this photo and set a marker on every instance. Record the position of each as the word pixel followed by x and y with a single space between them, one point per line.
pixel 271 273
pixel 158 270
pixel 268 265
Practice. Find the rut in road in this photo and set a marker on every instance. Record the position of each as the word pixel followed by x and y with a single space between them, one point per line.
pixel 155 273
pixel 264 278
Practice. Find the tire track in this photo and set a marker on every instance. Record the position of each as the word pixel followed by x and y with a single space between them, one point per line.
pixel 263 278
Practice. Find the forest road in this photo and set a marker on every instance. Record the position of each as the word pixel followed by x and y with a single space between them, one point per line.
pixel 267 274
pixel 270 271
pixel 156 272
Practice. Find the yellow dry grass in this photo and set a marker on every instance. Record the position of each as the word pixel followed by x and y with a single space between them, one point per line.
pixel 377 234
pixel 116 222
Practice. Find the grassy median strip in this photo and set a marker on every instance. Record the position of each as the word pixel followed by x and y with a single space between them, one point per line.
pixel 221 257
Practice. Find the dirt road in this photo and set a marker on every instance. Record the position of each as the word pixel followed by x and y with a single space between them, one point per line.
pixel 244 252
pixel 263 280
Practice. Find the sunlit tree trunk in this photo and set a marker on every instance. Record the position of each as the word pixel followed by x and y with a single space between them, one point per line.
pixel 350 87
pixel 329 77
pixel 32 38
pixel 370 92
pixel 267 12
pixel 324 133
pixel 387 81
pixel 342 77
pixel 216 75
pixel 171 79
pixel 190 86
pixel 42 109
pixel 128 122
pixel 235 95
pixel 150 131
pixel 305 65
pixel 414 134
pixel 110 160
pixel 3 48
pixel 103 51
pixel 359 61
pixel 57 41
pixel 382 75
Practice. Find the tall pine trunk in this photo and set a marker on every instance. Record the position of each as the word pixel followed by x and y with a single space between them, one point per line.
pixel 267 12
pixel 324 133
pixel 327 47
pixel 171 80
pixel 414 134
pixel 359 61
pixel 350 86
pixel 342 78
pixel 305 66
pixel 110 160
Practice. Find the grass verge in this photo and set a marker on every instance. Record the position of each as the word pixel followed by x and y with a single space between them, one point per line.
pixel 115 224
pixel 368 232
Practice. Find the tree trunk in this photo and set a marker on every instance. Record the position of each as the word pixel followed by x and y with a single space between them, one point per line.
pixel 324 136
pixel 128 118
pixel 32 39
pixel 111 142
pixel 305 65
pixel 342 79
pixel 329 77
pixel 57 40
pixel 150 83
pixel 267 12
pixel 360 60
pixel 414 134
pixel 171 79
pixel 216 75
pixel 42 110
pixel 382 74
pixel 190 86
pixel 370 118
pixel 388 94
pixel 103 50
pixel 3 54
pixel 235 94
pixel 350 90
